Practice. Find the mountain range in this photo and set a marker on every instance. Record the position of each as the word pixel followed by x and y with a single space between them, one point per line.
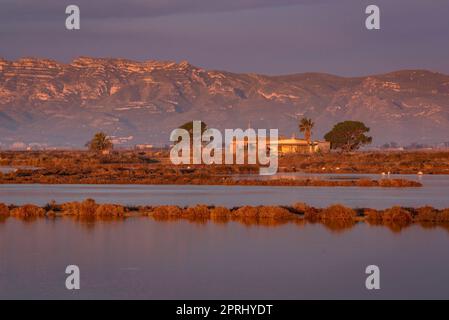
pixel 44 102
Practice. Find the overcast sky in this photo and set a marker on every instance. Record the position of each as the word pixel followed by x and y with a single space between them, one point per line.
pixel 263 36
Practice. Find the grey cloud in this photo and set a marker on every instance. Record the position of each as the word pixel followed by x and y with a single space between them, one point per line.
pixel 49 9
pixel 280 36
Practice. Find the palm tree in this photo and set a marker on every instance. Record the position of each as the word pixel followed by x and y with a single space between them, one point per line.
pixel 306 125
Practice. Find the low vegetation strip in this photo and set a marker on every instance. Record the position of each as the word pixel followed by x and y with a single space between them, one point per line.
pixel 157 162
pixel 335 216
pixel 131 177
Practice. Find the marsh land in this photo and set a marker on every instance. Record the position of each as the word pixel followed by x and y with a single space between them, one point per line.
pixel 154 167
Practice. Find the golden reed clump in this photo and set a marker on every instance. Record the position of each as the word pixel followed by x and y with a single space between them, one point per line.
pixel 86 208
pixel 338 212
pixel 372 216
pixel 396 218
pixel 110 210
pixel 426 214
pixel 263 215
pixel 220 214
pixel 89 208
pixel 397 215
pixel 198 214
pixel 4 210
pixel 27 211
pixel 268 215
pixel 275 212
pixel 165 211
pixel 335 217
pixel 263 212
pixel 443 216
pixel 245 211
pixel 309 213
pixel 199 211
pixel 275 215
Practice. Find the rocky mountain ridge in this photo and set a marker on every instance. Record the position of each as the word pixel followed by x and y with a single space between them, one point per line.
pixel 50 103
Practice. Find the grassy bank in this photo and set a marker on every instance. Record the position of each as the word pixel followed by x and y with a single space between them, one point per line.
pixel 72 162
pixel 335 217
pixel 395 162
pixel 70 167
pixel 142 177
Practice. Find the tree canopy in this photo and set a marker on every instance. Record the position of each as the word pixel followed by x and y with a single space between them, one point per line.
pixel 189 127
pixel 99 142
pixel 348 136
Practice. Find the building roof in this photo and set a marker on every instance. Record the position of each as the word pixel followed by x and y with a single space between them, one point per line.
pixel 293 141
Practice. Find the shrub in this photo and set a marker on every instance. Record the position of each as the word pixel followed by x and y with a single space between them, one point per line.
pixel 426 214
pixel 372 216
pixel 52 206
pixel 166 211
pixel 338 212
pixel 105 210
pixel 220 214
pixel 4 210
pixel 300 207
pixel 246 211
pixel 311 214
pixel 443 216
pixel 397 215
pixel 197 212
pixel 274 212
pixel 27 211
pixel 86 208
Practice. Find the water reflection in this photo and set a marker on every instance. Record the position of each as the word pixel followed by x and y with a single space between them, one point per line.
pixel 333 225
pixel 148 257
pixel 434 192
pixel 9 169
pixel 394 226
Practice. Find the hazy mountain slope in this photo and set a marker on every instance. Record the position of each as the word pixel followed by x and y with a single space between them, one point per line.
pixel 49 102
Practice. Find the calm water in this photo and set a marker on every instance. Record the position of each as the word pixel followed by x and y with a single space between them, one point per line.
pixel 8 169
pixel 435 192
pixel 141 258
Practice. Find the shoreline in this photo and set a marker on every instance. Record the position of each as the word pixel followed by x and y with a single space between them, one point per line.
pixel 226 181
pixel 153 167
